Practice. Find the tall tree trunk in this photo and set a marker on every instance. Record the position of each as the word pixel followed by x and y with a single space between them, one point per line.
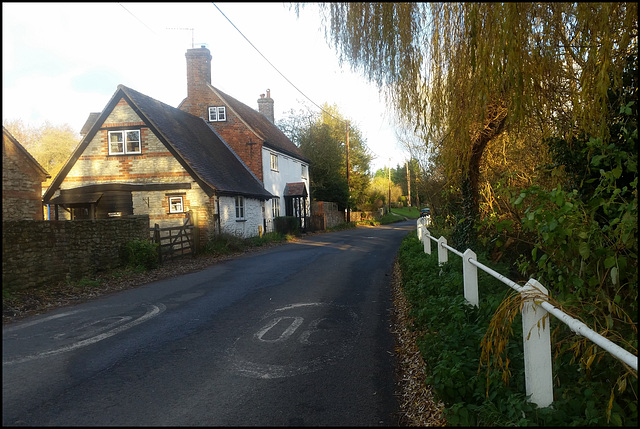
pixel 465 234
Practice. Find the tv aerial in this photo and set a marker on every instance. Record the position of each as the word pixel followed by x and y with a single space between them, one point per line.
pixel 188 29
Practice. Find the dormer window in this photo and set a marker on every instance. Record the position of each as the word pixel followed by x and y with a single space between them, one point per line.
pixel 217 114
pixel 124 142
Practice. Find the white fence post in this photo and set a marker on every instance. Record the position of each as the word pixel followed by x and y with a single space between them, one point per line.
pixel 470 275
pixel 427 242
pixel 537 346
pixel 419 229
pixel 443 255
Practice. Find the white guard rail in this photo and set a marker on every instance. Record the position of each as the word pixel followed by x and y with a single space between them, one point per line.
pixel 537 348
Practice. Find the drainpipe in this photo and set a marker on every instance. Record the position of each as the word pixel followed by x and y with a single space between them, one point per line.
pixel 218 210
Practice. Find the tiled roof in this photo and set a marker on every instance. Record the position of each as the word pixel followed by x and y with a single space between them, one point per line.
pixel 93 117
pixel 195 144
pixel 297 189
pixel 200 146
pixel 267 131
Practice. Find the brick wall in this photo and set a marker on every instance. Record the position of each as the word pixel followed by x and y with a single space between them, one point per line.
pixel 40 253
pixel 21 185
pixel 200 97
pixel 155 164
pixel 329 212
pixel 243 142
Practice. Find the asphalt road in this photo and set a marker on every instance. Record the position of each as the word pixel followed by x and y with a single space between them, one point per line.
pixel 296 335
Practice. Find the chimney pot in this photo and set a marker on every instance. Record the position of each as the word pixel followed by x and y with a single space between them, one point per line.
pixel 265 106
pixel 198 75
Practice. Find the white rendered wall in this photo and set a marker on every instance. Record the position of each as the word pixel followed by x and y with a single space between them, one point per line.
pixel 242 228
pixel 289 171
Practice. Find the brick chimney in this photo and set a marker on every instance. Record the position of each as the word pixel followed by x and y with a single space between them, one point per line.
pixel 198 76
pixel 265 106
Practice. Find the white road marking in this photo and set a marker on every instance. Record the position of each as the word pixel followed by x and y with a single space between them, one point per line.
pixel 35 322
pixel 152 312
pixel 297 321
pixel 340 346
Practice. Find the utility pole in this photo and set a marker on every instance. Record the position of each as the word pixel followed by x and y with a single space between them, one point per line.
pixel 389 203
pixel 348 184
pixel 409 183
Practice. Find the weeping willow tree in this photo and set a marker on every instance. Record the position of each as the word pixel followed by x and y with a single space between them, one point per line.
pixel 466 74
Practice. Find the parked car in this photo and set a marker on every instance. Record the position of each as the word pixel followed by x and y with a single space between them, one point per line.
pixel 425 212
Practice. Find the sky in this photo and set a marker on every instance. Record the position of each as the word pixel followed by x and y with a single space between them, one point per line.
pixel 62 61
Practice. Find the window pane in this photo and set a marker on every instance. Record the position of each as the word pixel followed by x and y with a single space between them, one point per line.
pixel 115 136
pixel 240 207
pixel 133 135
pixel 175 205
pixel 133 147
pixel 213 114
pixel 116 144
pixel 222 114
pixel 133 141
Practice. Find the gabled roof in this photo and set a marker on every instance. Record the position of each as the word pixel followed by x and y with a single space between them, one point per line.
pixel 93 117
pixel 262 127
pixel 26 153
pixel 195 144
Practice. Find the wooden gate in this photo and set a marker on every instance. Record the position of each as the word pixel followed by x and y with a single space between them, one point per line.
pixel 174 242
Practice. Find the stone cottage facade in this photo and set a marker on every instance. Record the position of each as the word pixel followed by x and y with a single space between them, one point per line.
pixel 22 178
pixel 142 156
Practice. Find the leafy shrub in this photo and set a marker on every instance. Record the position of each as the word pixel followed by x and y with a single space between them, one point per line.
pixel 342 226
pixel 140 254
pixel 489 390
pixel 267 238
pixel 224 244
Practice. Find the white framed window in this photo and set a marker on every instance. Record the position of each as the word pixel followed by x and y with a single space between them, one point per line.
pixel 275 207
pixel 217 114
pixel 176 205
pixel 239 208
pixel 274 162
pixel 124 142
pixel 303 172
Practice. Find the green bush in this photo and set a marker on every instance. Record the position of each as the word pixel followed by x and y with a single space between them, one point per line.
pixel 342 227
pixel 267 238
pixel 490 391
pixel 224 244
pixel 140 254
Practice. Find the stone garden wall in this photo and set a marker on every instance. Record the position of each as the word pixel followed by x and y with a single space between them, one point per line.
pixel 38 253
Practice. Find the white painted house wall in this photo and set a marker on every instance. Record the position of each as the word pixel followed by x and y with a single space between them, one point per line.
pixel 289 171
pixel 247 227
